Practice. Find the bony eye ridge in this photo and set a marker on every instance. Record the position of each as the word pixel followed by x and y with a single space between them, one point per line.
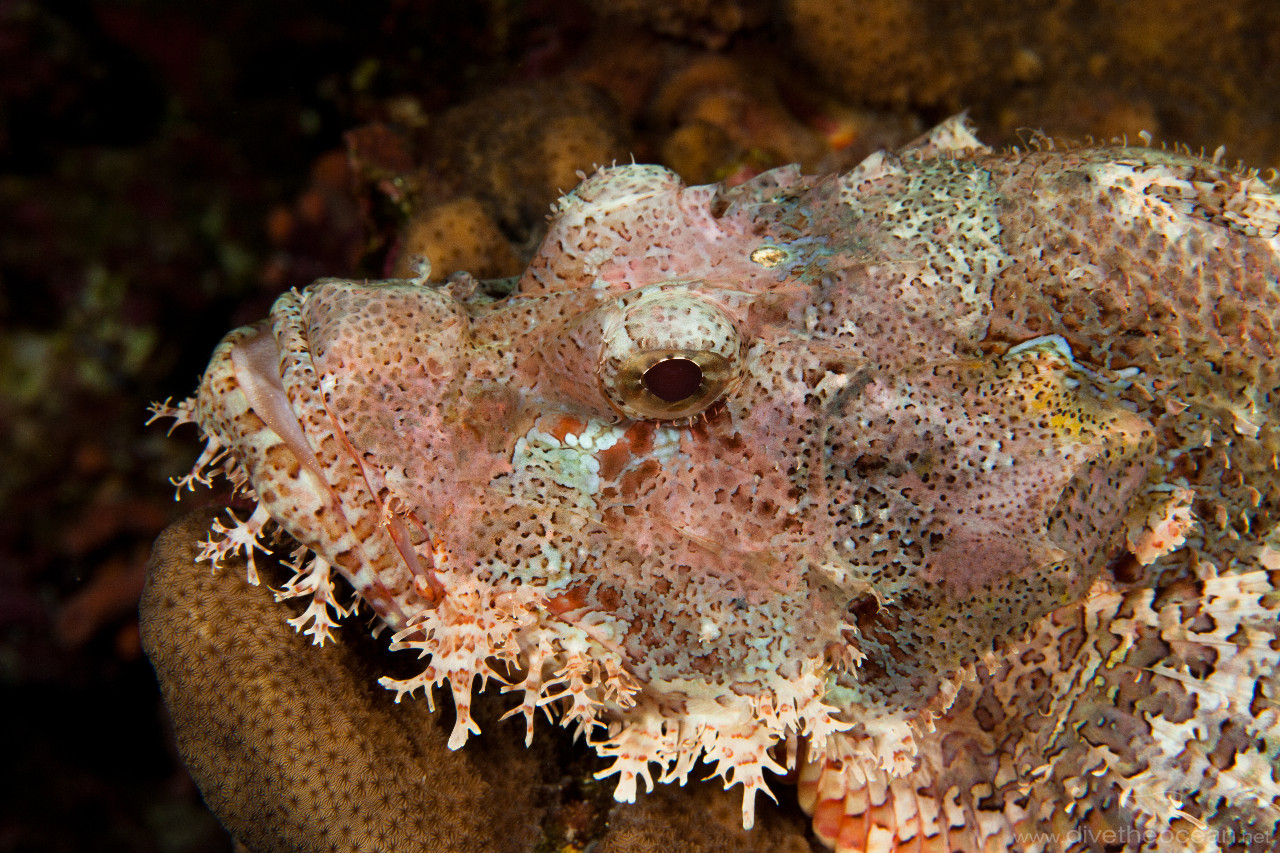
pixel 669 354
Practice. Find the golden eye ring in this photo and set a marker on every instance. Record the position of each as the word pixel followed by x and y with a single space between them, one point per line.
pixel 669 384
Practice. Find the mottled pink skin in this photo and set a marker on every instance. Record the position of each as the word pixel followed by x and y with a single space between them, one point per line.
pixel 884 476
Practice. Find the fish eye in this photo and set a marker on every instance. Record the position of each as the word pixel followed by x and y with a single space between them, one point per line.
pixel 673 379
pixel 668 384
pixel 669 354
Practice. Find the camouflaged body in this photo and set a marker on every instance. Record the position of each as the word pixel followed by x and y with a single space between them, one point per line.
pixel 973 490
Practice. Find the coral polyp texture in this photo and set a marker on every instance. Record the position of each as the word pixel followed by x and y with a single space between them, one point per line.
pixel 948 482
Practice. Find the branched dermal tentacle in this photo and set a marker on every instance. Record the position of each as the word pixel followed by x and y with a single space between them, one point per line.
pixel 312 578
pixel 243 536
pixel 182 413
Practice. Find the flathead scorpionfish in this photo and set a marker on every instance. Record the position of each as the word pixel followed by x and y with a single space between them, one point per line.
pixel 947 484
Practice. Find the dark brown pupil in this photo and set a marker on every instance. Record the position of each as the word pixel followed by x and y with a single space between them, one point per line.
pixel 673 379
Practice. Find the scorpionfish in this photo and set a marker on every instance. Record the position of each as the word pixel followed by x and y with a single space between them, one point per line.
pixel 947 484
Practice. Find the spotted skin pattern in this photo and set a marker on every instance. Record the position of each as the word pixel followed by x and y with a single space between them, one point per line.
pixel 949 481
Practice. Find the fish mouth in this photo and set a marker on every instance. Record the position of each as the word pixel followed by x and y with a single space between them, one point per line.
pixel 256 361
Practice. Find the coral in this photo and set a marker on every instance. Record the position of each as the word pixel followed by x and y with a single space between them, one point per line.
pixel 296 748
pixel 881 51
pixel 1186 70
pixel 517 148
pixel 455 235
pixel 732 121
pixel 283 739
pixel 711 22
pixel 917 468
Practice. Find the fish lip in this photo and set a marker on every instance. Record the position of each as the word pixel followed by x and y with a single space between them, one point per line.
pixel 256 362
